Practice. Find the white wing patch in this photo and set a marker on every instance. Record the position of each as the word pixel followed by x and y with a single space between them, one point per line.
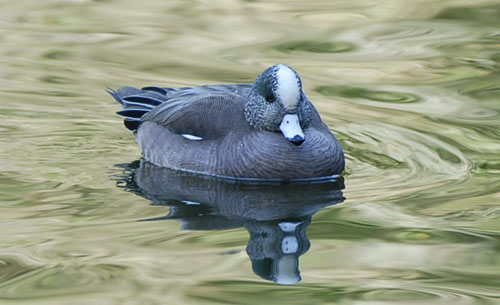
pixel 289 226
pixel 191 137
pixel 288 87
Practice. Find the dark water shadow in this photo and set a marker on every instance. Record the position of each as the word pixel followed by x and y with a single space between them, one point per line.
pixel 276 215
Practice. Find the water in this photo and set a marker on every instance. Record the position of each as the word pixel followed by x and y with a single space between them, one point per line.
pixel 410 88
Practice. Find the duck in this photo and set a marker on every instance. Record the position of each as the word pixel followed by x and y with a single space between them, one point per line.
pixel 268 130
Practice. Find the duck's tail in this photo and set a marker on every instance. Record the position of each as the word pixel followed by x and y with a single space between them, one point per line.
pixel 137 102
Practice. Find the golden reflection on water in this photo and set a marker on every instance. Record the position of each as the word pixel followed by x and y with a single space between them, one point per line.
pixel 409 87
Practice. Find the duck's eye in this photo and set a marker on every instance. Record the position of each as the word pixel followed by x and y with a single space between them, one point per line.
pixel 270 98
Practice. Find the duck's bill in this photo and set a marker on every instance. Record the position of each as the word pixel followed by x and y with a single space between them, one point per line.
pixel 290 127
pixel 287 271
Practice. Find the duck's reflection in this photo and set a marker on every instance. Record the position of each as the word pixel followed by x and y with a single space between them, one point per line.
pixel 275 215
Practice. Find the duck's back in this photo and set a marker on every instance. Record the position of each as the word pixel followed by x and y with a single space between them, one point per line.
pixel 138 102
pixel 190 132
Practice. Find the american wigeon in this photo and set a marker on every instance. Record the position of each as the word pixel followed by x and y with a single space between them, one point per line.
pixel 266 130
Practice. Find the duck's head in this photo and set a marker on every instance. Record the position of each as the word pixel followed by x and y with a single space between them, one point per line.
pixel 276 103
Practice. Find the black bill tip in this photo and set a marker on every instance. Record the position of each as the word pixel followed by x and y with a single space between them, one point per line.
pixel 297 140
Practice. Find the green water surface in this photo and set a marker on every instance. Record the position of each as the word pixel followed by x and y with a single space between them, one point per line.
pixel 410 88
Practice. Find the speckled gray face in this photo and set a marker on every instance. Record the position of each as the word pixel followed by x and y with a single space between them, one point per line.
pixel 276 103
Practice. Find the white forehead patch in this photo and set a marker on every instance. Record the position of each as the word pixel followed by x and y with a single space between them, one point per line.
pixel 288 87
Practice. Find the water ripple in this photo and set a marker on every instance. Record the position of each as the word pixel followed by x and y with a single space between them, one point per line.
pixel 386 156
pixel 363 93
pixel 314 47
pixel 61 280
pixel 409 87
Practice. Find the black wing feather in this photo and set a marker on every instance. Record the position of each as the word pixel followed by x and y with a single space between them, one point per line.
pixel 132 113
pixel 136 103
pixel 131 125
pixel 141 99
pixel 156 89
